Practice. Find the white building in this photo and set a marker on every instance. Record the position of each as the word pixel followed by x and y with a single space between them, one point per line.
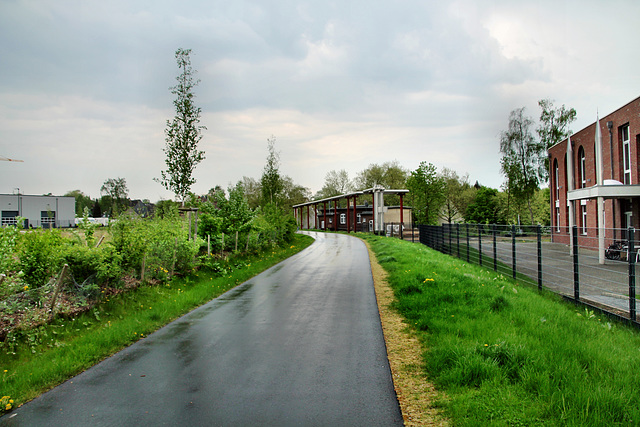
pixel 39 211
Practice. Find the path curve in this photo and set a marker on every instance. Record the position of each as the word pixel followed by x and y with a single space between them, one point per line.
pixel 300 344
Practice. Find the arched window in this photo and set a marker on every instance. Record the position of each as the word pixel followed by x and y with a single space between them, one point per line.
pixel 583 167
pixel 556 177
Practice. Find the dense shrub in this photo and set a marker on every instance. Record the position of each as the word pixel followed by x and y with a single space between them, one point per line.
pixel 83 261
pixel 40 256
pixel 8 241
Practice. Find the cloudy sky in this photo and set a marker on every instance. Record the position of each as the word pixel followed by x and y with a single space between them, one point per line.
pixel 84 84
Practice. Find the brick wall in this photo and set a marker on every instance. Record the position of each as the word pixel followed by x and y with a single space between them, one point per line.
pixel 628 114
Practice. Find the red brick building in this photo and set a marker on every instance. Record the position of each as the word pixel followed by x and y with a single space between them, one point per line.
pixel 596 186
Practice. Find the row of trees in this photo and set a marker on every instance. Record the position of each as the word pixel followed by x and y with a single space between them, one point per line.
pixel 113 200
pixel 440 196
pixel 434 195
pixel 449 197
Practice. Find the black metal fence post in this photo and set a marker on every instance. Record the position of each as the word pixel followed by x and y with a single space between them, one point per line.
pixel 449 231
pixel 539 238
pixel 632 273
pixel 513 250
pixel 495 249
pixel 458 239
pixel 467 242
pixel 576 276
pixel 480 245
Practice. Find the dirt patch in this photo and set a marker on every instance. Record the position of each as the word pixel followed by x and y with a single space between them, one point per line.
pixel 415 394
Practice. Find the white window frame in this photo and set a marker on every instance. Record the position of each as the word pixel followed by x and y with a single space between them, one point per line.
pixel 626 154
pixel 343 218
pixel 583 207
pixel 558 219
pixel 583 168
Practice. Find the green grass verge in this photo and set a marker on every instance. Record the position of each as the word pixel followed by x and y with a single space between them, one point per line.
pixel 51 354
pixel 506 354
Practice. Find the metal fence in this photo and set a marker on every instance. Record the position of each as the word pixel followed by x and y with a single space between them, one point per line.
pixel 566 263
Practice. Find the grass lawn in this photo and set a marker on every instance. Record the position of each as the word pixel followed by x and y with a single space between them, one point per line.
pixel 505 353
pixel 51 354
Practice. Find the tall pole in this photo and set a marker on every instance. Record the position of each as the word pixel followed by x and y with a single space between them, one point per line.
pixel 324 210
pixel 600 180
pixel 401 218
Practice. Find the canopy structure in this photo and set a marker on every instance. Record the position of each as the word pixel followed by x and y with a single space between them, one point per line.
pixel 319 214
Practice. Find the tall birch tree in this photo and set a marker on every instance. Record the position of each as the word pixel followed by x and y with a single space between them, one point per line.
pixel 183 133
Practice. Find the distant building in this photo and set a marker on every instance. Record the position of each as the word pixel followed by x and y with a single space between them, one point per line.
pixel 365 217
pixel 38 211
pixel 585 174
pixel 144 209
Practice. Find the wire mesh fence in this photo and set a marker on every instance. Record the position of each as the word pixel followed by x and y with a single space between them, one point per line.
pixel 575 262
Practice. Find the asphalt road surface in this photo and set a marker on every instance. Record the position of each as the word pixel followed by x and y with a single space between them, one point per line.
pixel 301 344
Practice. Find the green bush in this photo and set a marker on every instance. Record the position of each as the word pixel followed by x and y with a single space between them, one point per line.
pixel 129 240
pixel 9 238
pixel 40 256
pixel 110 267
pixel 83 261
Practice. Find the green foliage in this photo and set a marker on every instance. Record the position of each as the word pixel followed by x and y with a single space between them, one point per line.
pixel 162 244
pixel 166 209
pixel 274 225
pixel 129 240
pixel 83 261
pixel 520 154
pixel 221 215
pixel 40 256
pixel 115 196
pixel 389 175
pixel 271 180
pixel 485 208
pixel 82 201
pixel 9 238
pixel 335 184
pixel 292 193
pixel 168 249
pixel 426 193
pixel 458 195
pixel 183 133
pixel 88 227
pixel 110 268
pixel 553 128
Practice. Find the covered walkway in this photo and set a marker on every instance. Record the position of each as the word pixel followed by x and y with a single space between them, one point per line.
pixel 321 215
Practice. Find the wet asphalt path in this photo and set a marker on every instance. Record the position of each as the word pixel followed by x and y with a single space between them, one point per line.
pixel 301 344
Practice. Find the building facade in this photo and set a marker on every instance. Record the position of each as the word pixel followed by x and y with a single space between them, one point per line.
pixel 38 211
pixel 331 214
pixel 595 180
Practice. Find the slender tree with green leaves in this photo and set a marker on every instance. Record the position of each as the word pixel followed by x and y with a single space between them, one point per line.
pixel 553 128
pixel 271 180
pixel 457 196
pixel 183 133
pixel 426 193
pixel 519 162
pixel 115 195
pixel 335 183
